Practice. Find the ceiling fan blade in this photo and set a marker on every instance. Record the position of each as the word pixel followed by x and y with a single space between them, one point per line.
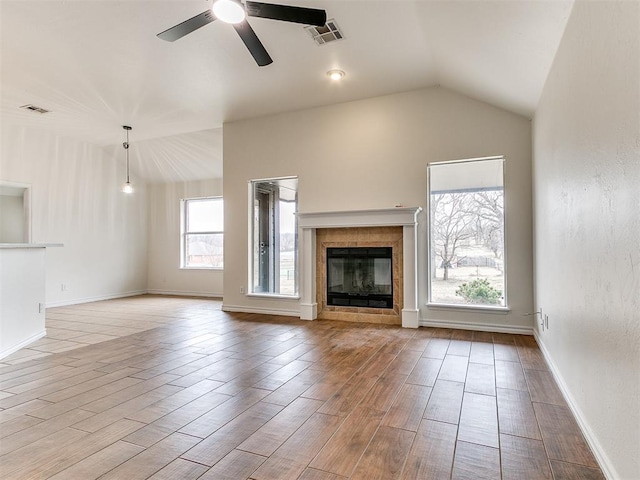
pixel 287 13
pixel 253 43
pixel 178 31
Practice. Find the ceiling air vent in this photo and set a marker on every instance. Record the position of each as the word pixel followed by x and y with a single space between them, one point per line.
pixel 33 108
pixel 330 32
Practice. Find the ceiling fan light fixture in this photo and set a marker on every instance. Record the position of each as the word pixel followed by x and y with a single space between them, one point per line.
pixel 336 75
pixel 229 11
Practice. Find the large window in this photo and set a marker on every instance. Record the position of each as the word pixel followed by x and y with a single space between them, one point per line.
pixel 202 233
pixel 466 233
pixel 274 241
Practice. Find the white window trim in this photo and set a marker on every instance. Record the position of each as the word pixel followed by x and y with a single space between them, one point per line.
pixel 500 309
pixel 250 257
pixel 184 234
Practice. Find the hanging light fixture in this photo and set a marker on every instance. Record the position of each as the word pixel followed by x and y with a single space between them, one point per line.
pixel 127 187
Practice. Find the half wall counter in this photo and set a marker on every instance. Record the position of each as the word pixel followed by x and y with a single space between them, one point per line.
pixel 22 294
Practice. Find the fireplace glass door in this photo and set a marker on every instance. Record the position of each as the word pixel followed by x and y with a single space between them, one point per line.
pixel 360 277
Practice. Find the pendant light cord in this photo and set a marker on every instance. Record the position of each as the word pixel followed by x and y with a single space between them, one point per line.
pixel 126 147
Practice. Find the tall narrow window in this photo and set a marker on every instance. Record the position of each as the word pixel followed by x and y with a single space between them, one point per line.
pixel 274 241
pixel 202 233
pixel 466 233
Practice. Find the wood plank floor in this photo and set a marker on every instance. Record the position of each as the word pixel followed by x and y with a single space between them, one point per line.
pixel 174 388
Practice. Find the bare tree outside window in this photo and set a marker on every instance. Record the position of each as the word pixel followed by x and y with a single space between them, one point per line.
pixel 452 227
pixel 490 220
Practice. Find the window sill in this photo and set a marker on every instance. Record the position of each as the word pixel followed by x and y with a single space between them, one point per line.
pixel 274 296
pixel 469 308
pixel 202 268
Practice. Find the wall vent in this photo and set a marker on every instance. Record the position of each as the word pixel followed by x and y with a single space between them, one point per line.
pixel 33 108
pixel 329 32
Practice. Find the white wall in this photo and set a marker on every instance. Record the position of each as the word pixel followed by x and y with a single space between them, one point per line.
pixel 373 154
pixel 76 200
pixel 587 204
pixel 22 290
pixel 165 275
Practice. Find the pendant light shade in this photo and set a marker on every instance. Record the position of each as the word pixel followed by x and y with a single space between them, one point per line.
pixel 127 187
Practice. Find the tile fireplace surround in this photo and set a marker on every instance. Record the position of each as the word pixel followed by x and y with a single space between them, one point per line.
pixel 359 228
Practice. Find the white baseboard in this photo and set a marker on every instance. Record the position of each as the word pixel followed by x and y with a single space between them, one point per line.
pixel 308 311
pixel 78 301
pixel 100 298
pixel 23 344
pixel 484 327
pixel 184 294
pixel 264 311
pixel 590 437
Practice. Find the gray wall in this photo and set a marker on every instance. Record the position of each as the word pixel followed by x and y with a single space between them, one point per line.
pixel 587 204
pixel 165 275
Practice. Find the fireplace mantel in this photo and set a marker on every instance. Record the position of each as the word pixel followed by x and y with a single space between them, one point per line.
pixel 388 217
pixel 406 217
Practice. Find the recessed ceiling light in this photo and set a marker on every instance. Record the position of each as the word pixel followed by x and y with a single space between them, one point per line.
pixel 335 75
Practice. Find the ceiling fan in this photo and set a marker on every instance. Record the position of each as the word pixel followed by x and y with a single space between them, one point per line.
pixel 236 13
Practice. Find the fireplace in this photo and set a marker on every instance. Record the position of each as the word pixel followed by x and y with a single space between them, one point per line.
pixel 360 277
pixel 392 227
pixel 354 294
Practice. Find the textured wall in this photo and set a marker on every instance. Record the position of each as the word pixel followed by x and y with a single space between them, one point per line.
pixel 587 225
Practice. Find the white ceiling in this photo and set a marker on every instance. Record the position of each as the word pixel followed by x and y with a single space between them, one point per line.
pixel 98 65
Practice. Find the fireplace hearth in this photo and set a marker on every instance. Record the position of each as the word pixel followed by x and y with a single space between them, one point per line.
pixel 360 277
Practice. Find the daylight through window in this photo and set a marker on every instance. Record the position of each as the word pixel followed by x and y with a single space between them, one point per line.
pixel 466 233
pixel 274 240
pixel 202 233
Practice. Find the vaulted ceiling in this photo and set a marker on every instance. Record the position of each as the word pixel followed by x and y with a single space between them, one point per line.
pixel 98 65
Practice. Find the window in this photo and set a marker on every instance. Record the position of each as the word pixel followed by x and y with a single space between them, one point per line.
pixel 202 233
pixel 466 233
pixel 274 239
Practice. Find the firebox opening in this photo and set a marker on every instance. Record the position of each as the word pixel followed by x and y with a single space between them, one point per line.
pixel 360 277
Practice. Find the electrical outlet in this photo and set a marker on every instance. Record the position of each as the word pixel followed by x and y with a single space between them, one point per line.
pixel 241 289
pixel 40 307
pixel 63 287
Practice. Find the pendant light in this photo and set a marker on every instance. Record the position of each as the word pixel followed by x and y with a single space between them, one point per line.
pixel 127 187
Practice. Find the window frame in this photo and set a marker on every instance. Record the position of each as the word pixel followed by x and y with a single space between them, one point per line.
pixel 253 236
pixel 469 307
pixel 185 233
